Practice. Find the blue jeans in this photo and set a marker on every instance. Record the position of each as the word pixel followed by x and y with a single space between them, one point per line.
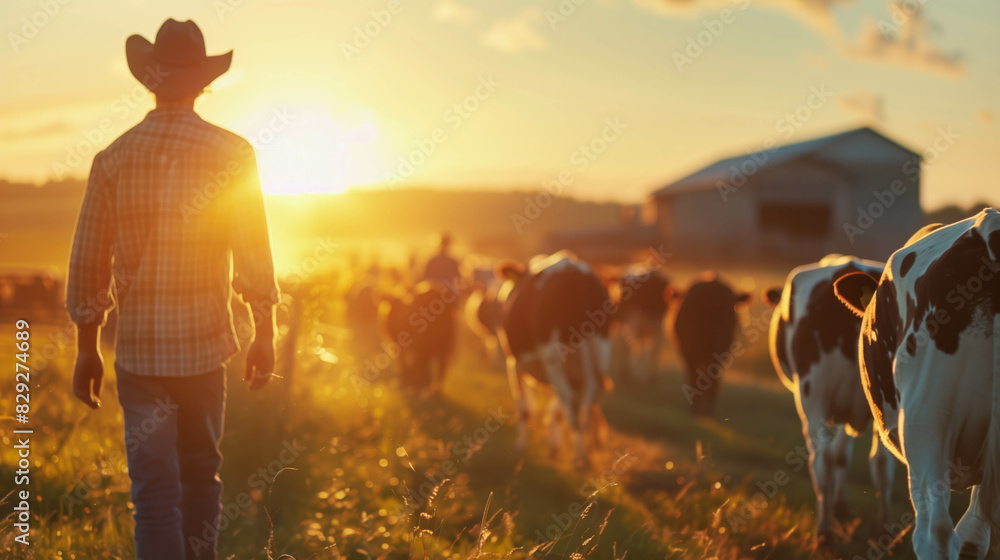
pixel 173 426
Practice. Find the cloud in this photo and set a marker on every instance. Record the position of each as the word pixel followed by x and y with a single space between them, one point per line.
pixel 903 38
pixel 451 11
pixel 814 60
pixel 866 104
pixel 517 33
pixel 817 14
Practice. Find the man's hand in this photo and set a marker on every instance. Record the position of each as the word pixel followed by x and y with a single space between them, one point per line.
pixel 260 362
pixel 88 376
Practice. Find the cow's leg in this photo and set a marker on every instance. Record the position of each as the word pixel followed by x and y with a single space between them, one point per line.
pixel 655 350
pixel 591 377
pixel 882 466
pixel 711 396
pixel 517 391
pixel 555 368
pixel 553 419
pixel 818 440
pixel 601 347
pixel 697 396
pixel 840 450
pixel 973 531
pixel 598 426
pixel 930 490
pixel 644 359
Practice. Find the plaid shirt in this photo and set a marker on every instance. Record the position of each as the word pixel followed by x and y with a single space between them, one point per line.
pixel 176 201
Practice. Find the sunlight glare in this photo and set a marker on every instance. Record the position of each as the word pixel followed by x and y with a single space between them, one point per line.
pixel 302 150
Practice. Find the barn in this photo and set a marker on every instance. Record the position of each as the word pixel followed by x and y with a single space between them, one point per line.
pixel 856 192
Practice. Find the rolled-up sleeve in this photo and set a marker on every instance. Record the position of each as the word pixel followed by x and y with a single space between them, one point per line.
pixel 250 241
pixel 88 287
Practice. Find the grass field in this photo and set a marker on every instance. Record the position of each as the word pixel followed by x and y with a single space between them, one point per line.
pixel 321 466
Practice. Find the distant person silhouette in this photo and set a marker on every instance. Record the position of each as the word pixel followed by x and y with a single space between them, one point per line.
pixel 443 267
pixel 168 206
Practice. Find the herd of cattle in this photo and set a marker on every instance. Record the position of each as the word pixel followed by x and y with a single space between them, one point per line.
pixel 912 345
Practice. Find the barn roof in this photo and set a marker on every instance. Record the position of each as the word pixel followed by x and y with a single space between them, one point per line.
pixel 707 177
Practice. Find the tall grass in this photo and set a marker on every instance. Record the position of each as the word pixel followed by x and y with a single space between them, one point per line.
pixel 380 474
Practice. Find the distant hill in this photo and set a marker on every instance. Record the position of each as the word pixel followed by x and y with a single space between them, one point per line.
pixel 39 221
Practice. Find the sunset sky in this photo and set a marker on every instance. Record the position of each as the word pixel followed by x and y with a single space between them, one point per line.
pixel 504 94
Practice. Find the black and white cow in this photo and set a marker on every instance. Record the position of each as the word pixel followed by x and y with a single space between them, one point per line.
pixel 704 327
pixel 929 352
pixel 554 330
pixel 642 296
pixel 813 340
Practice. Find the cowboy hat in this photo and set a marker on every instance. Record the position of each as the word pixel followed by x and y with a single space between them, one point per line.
pixel 176 64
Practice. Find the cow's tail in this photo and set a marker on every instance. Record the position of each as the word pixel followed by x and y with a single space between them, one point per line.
pixel 988 224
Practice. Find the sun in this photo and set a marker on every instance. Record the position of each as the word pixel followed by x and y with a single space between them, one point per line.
pixel 303 150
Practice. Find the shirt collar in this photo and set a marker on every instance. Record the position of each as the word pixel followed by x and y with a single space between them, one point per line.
pixel 171 112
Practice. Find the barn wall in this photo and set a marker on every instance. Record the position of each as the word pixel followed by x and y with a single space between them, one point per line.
pixel 858 173
pixel 879 221
pixel 703 223
pixel 877 163
pixel 801 183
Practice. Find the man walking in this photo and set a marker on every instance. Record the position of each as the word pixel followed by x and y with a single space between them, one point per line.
pixel 443 267
pixel 172 220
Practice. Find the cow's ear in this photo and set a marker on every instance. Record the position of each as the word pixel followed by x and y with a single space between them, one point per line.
pixel 509 270
pixel 743 300
pixel 669 294
pixel 771 296
pixel 856 290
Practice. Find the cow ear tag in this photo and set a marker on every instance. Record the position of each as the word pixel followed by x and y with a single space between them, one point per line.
pixel 866 296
